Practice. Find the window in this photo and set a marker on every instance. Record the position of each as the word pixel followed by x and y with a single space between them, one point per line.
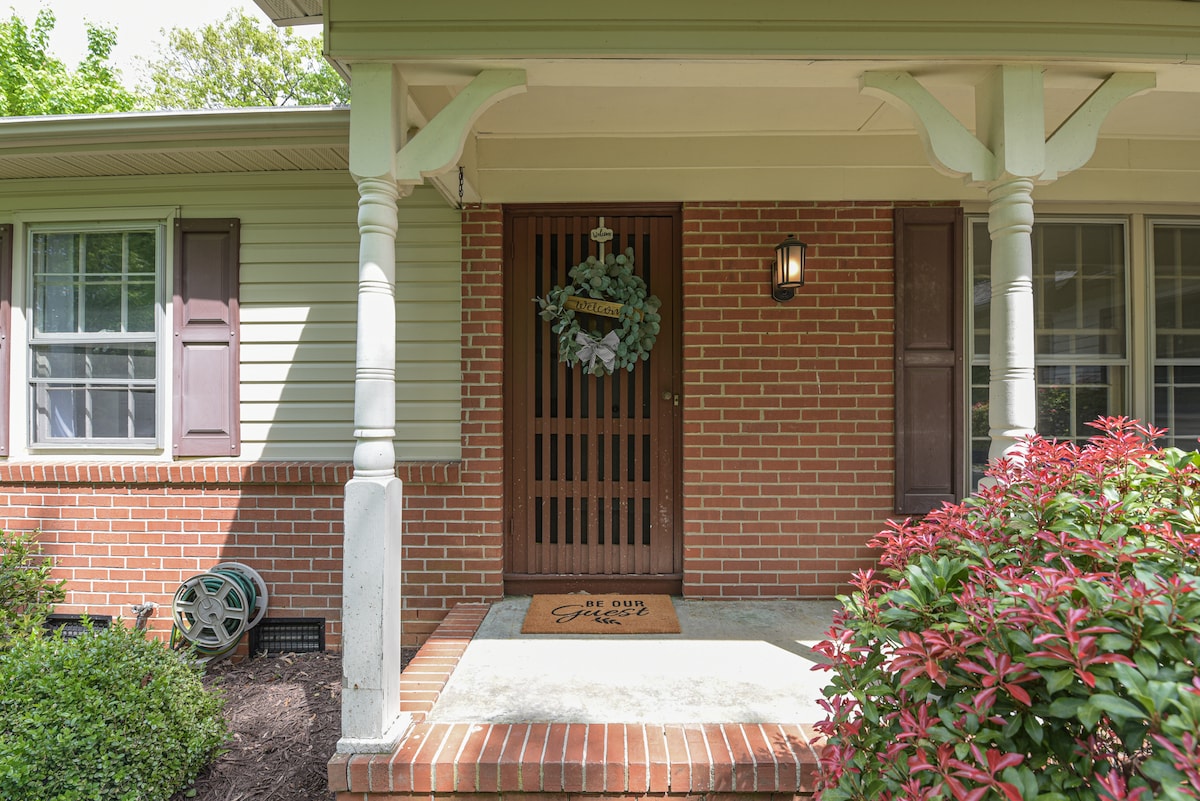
pixel 131 336
pixel 1091 360
pixel 1176 257
pixel 94 338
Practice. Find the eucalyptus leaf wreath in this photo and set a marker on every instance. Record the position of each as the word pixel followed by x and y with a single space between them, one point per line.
pixel 636 325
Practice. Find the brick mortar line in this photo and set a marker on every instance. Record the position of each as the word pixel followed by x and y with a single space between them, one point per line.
pixel 455 631
pixel 213 473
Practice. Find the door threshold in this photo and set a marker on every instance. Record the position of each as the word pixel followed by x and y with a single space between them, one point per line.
pixel 532 584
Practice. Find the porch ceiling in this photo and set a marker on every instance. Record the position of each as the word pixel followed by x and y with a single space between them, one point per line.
pixel 729 128
pixel 605 97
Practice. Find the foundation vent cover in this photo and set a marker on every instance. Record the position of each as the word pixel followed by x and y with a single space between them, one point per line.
pixel 288 635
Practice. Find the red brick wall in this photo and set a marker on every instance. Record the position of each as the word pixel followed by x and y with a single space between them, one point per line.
pixel 130 533
pixel 787 447
pixel 454 534
pixel 788 407
pixel 127 534
pixel 788 419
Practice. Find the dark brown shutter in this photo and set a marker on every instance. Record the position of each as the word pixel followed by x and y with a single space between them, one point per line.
pixel 6 250
pixel 206 338
pixel 929 366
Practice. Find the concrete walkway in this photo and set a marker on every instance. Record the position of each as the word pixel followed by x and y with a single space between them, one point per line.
pixel 733 662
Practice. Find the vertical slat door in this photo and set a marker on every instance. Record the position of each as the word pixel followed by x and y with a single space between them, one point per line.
pixel 592 460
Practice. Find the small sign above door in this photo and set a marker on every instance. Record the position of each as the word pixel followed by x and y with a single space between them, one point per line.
pixel 601 234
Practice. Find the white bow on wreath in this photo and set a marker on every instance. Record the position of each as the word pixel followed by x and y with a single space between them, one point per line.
pixel 591 348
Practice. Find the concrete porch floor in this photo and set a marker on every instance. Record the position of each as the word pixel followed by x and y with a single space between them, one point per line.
pixel 723 709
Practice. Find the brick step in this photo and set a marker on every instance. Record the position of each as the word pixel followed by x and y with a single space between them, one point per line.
pixel 582 758
pixel 550 761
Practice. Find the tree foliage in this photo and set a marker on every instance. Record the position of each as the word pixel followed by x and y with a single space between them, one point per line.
pixel 32 82
pixel 240 63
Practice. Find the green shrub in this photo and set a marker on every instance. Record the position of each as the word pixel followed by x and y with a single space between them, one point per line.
pixel 109 716
pixel 1041 640
pixel 27 594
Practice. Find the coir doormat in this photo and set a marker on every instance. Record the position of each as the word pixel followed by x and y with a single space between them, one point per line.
pixel 601 614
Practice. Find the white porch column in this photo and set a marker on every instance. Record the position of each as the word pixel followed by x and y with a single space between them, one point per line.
pixel 386 167
pixel 1012 392
pixel 1007 156
pixel 372 516
pixel 1010 121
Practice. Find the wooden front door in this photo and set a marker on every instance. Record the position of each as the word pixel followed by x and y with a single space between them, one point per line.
pixel 592 468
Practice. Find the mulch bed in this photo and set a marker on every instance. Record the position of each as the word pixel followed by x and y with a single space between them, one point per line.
pixel 284 716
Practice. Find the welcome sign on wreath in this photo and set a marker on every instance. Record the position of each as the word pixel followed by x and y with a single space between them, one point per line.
pixel 604 288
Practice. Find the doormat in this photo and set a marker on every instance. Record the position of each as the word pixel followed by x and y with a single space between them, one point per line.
pixel 601 614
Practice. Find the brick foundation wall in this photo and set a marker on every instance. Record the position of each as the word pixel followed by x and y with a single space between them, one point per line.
pixel 123 534
pixel 128 534
pixel 788 407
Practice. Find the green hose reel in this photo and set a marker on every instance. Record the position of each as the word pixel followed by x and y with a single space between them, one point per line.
pixel 212 611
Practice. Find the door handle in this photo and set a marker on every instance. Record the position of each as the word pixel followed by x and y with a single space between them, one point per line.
pixel 668 395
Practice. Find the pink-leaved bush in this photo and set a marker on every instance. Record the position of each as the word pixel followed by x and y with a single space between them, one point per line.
pixel 1040 640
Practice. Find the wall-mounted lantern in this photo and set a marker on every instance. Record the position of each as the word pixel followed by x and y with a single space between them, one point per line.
pixel 788 271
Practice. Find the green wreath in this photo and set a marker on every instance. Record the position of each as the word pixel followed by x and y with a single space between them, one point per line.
pixel 621 296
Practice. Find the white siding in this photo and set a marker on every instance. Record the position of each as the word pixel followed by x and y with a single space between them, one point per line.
pixel 299 273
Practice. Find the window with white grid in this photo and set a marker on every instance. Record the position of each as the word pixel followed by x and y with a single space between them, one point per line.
pixel 1080 316
pixel 94 338
pixel 1175 257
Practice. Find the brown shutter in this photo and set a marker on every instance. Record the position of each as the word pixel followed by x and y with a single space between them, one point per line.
pixel 929 366
pixel 206 338
pixel 6 250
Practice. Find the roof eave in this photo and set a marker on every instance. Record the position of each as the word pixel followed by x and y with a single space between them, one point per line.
pixel 19 134
pixel 288 13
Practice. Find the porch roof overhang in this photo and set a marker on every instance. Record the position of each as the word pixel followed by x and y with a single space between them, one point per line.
pixel 656 101
pixel 1159 30
pixel 620 121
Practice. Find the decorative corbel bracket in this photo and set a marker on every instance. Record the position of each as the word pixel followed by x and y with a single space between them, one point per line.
pixel 438 146
pixel 1014 115
pixel 1070 147
pixel 950 147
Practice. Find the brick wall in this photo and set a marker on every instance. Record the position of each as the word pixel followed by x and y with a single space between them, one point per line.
pixel 788 447
pixel 123 534
pixel 788 407
pixel 454 537
pixel 127 534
